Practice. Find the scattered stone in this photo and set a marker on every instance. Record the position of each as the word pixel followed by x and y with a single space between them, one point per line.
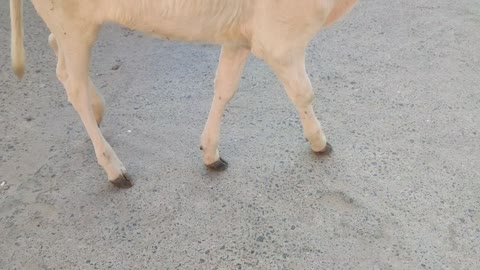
pixel 116 67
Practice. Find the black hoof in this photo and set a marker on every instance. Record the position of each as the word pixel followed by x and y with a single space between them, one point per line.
pixel 326 151
pixel 122 182
pixel 219 165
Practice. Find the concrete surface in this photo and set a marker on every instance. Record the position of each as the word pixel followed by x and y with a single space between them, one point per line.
pixel 397 87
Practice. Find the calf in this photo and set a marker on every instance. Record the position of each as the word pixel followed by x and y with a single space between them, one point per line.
pixel 276 31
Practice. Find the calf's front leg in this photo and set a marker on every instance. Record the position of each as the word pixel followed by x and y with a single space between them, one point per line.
pixel 230 66
pixel 290 70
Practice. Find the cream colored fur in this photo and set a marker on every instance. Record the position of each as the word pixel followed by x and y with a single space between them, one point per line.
pixel 276 31
pixel 17 49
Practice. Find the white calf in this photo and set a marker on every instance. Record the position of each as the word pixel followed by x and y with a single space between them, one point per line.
pixel 276 31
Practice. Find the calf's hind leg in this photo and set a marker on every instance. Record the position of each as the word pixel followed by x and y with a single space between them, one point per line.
pixel 97 101
pixel 74 60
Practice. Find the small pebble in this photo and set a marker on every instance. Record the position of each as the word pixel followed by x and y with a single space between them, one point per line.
pixel 3 185
pixel 116 66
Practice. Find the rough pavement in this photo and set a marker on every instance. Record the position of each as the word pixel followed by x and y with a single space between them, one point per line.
pixel 397 90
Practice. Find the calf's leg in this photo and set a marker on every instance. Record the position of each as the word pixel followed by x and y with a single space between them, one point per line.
pixel 291 72
pixel 73 51
pixel 97 101
pixel 230 66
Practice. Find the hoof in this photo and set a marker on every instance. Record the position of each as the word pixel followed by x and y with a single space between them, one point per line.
pixel 122 181
pixel 219 165
pixel 326 151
